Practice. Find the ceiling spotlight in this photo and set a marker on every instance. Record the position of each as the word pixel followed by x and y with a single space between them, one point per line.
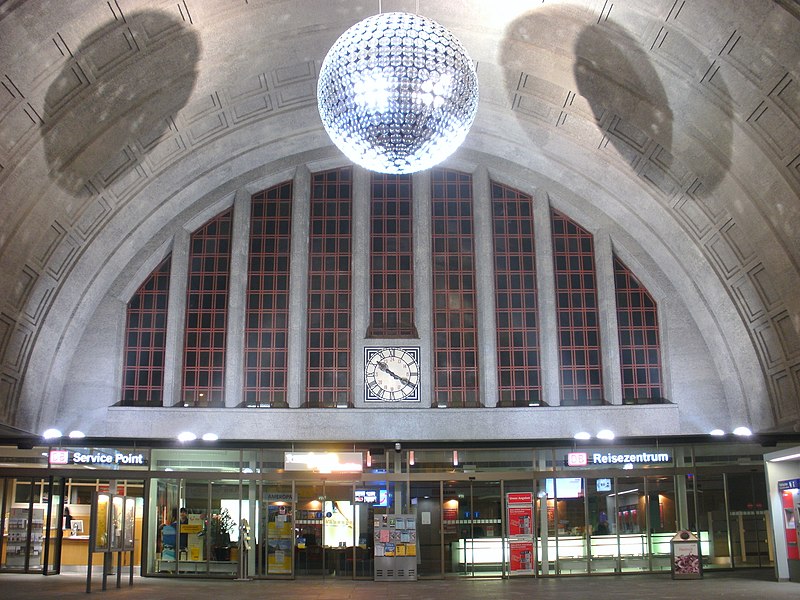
pixel 210 437
pixel 397 93
pixel 742 431
pixel 186 436
pixel 583 435
pixel 51 434
pixel 605 434
pixel 76 435
pixel 716 432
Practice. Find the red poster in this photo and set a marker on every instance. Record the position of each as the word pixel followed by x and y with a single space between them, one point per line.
pixel 520 520
pixel 790 524
pixel 449 517
pixel 521 558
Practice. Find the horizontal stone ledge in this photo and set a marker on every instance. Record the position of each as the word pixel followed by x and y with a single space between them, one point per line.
pixel 376 424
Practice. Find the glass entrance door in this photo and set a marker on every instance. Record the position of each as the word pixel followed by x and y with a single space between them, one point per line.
pixel 473 526
pixel 276 532
pixel 330 530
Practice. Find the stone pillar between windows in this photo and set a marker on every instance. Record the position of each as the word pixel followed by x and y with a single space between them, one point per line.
pixel 360 265
pixel 298 284
pixel 176 318
pixel 423 282
pixel 607 309
pixel 484 286
pixel 237 299
pixel 546 292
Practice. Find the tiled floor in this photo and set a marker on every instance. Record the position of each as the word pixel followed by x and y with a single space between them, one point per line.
pixel 745 585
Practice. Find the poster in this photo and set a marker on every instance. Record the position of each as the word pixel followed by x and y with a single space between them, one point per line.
pixel 117 523
pixel 520 514
pixel 101 515
pixel 521 558
pixel 520 520
pixel 130 523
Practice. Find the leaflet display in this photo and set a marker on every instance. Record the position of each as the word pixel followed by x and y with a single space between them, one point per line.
pixel 395 547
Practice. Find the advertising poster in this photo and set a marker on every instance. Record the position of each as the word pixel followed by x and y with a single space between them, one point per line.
pixel 449 517
pixel 521 558
pixel 130 523
pixel 101 515
pixel 280 556
pixel 686 562
pixel 194 541
pixel 520 514
pixel 117 523
pixel 520 521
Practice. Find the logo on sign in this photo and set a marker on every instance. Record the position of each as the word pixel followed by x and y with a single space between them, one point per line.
pixel 59 457
pixel 577 459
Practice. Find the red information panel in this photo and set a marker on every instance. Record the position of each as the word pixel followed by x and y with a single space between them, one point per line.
pixel 520 520
pixel 519 498
pixel 790 523
pixel 521 558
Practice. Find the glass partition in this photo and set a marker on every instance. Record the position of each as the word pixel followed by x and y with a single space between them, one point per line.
pixel 601 524
pixel 749 519
pixel 630 524
pixel 570 523
pixel 426 503
pixel 663 510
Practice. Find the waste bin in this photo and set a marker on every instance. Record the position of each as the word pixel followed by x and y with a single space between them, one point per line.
pixel 686 561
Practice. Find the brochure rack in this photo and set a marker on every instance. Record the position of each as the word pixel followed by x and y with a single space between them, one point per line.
pixel 395 547
pixel 20 552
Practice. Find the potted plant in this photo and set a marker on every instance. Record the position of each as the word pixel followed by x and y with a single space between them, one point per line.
pixel 218 533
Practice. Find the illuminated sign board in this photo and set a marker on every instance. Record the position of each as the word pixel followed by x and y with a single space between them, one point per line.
pixel 582 459
pixel 97 457
pixel 324 462
pixel 577 459
pixel 375 497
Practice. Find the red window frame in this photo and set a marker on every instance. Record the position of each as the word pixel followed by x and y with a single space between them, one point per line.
pixel 267 314
pixel 206 327
pixel 145 340
pixel 391 257
pixel 577 313
pixel 329 291
pixel 516 303
pixel 455 332
pixel 639 339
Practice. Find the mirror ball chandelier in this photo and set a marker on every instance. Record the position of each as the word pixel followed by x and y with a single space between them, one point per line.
pixel 397 93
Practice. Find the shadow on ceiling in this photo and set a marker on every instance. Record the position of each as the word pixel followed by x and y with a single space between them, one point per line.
pixel 116 97
pixel 631 108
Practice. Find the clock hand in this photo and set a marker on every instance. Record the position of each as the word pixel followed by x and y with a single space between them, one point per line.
pixel 385 368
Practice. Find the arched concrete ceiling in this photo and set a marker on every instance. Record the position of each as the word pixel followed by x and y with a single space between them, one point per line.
pixel 674 126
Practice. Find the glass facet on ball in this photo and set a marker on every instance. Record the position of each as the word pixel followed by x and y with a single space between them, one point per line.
pixel 397 93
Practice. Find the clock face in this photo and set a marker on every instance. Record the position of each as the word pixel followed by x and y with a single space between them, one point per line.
pixel 391 374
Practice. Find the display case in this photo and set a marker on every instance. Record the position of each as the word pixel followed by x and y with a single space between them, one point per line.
pixel 19 548
pixel 395 548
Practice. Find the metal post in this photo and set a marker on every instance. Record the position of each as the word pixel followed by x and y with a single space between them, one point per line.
pixel 543 534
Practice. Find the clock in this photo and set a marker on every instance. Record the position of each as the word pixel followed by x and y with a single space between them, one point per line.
pixel 391 374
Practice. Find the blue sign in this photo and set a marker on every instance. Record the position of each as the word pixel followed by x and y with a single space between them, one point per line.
pixel 789 484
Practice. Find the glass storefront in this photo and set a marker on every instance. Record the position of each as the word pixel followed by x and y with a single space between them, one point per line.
pixel 478 512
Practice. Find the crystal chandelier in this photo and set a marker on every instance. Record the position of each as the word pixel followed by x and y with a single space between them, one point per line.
pixel 397 93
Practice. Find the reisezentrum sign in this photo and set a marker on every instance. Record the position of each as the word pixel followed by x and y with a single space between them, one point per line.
pixel 582 459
